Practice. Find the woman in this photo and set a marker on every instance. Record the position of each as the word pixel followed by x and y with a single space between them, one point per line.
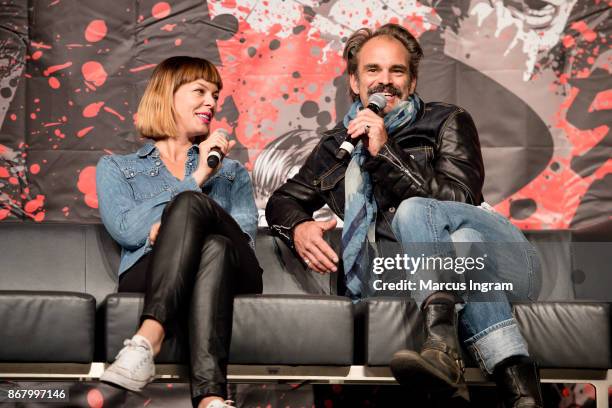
pixel 186 230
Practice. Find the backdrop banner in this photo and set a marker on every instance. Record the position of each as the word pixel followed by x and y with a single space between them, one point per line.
pixel 535 75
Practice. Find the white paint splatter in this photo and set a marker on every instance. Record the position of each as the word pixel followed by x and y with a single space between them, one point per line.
pixel 538 30
pixel 263 16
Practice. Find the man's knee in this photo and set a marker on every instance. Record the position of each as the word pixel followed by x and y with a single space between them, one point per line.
pixel 414 210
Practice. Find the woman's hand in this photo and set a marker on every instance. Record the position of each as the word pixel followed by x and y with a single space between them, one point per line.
pixel 216 139
pixel 153 232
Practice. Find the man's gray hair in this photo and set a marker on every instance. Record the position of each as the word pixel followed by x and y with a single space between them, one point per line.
pixel 395 31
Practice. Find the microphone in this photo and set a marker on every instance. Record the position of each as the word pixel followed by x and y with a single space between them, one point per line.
pixel 215 155
pixel 376 103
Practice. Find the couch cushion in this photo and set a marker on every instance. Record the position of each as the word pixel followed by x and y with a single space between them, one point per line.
pixel 47 327
pixel 60 257
pixel 267 329
pixel 559 335
pixel 568 335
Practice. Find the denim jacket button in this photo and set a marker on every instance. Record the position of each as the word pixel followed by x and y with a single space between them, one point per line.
pixel 158 163
pixel 392 210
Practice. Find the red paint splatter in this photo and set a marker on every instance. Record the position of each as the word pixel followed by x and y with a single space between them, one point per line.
pixel 32 115
pixel 84 131
pixel 36 55
pixel 3 149
pixel 95 399
pixel 94 72
pixel 40 45
pixel 59 134
pixel 13 117
pixel 34 204
pixel 161 10
pixel 55 68
pixel 250 72
pixel 4 214
pixel 96 31
pixel 39 216
pixel 168 27
pixel 54 83
pixel 4 173
pixel 114 112
pixel 582 140
pixel 558 193
pixel 35 168
pixel 588 34
pixel 568 41
pixel 415 24
pixel 92 109
pixel 87 186
pixel 142 68
pixel 602 101
pixel 178 42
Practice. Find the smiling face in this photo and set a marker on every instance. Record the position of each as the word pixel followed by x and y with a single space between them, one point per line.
pixel 383 67
pixel 194 107
pixel 540 14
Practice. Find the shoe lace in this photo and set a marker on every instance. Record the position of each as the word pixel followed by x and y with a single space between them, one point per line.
pixel 130 344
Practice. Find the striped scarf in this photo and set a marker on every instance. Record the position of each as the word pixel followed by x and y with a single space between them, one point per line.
pixel 360 208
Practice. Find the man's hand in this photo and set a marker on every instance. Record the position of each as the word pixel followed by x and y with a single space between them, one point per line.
pixel 153 232
pixel 310 245
pixel 373 126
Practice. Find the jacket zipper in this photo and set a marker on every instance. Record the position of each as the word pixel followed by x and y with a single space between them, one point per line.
pixel 400 167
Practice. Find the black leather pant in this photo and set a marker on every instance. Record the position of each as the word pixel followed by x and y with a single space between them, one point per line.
pixel 200 260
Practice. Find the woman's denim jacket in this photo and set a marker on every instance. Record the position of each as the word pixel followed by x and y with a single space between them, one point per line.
pixel 133 190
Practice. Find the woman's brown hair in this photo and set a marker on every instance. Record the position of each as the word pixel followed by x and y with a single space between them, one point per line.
pixel 155 117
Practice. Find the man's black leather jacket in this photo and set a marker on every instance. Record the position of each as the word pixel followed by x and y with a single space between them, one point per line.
pixel 438 156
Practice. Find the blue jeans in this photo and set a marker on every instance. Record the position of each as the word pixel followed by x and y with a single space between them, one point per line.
pixel 432 228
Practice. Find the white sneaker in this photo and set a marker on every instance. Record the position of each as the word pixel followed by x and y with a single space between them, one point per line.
pixel 220 404
pixel 133 367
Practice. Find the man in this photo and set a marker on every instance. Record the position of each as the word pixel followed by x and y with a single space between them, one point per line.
pixel 410 158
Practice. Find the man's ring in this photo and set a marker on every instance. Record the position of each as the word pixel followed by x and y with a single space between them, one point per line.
pixel 307 261
pixel 367 129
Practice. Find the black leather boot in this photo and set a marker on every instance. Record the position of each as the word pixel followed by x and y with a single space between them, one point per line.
pixel 518 383
pixel 438 367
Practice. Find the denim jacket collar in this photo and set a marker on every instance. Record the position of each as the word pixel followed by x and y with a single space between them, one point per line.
pixel 151 149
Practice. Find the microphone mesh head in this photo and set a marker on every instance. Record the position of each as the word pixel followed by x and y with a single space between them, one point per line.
pixel 378 99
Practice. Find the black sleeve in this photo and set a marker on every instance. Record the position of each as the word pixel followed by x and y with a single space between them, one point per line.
pixel 456 174
pixel 296 200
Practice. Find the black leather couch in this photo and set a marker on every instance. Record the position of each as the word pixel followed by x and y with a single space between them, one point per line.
pixel 61 315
